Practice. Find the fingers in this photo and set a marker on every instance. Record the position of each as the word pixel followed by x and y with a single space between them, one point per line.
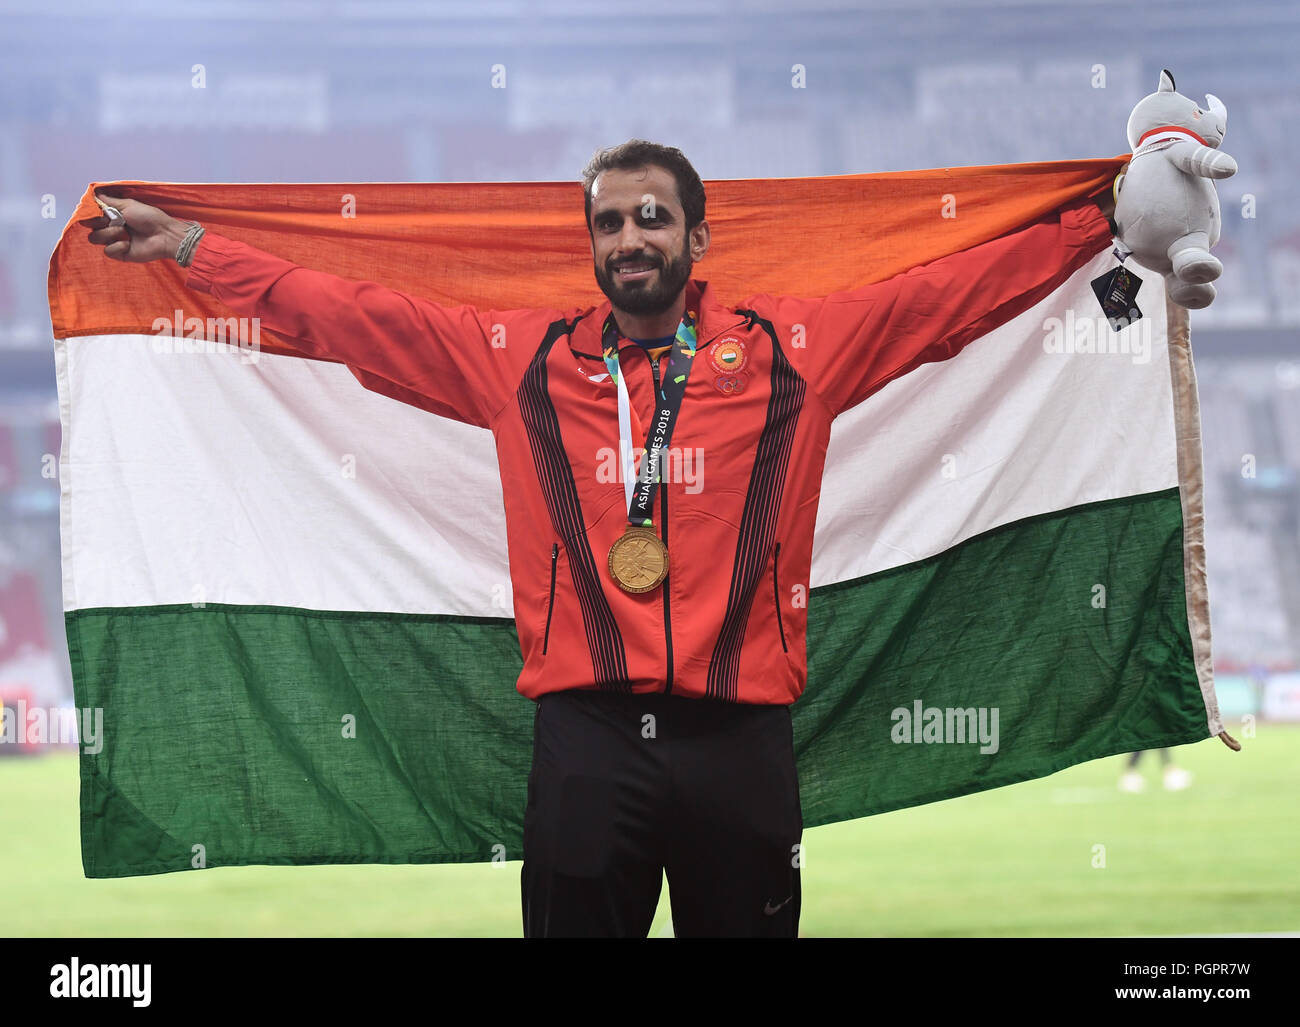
pixel 116 241
pixel 103 221
pixel 98 221
pixel 112 235
pixel 105 235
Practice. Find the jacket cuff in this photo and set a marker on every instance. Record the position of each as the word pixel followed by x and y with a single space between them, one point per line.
pixel 1086 222
pixel 209 257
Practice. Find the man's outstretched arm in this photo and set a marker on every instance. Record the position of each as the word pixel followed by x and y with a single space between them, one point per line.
pixel 856 341
pixel 443 355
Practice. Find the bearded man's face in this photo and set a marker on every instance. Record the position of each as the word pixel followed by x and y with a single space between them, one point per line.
pixel 641 251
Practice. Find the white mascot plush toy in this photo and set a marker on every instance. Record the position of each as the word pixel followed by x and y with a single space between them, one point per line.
pixel 1166 209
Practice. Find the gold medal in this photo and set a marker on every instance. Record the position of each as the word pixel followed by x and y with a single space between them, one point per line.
pixel 638 560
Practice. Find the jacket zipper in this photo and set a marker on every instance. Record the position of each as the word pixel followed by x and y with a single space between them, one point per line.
pixel 550 603
pixel 663 507
pixel 776 595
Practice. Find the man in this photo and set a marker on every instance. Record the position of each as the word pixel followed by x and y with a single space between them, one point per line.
pixel 660 622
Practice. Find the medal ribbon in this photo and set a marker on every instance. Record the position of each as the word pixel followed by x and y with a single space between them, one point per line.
pixel 640 490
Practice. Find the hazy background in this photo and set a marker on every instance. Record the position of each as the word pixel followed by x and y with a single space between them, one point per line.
pixel 386 91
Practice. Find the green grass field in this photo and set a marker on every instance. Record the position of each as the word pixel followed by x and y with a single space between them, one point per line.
pixel 1219 857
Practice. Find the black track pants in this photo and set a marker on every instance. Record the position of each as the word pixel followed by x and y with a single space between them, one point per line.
pixel 624 787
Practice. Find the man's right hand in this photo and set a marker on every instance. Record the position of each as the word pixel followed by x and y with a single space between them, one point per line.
pixel 149 233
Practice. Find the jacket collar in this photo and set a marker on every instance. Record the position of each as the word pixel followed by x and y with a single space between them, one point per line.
pixel 713 320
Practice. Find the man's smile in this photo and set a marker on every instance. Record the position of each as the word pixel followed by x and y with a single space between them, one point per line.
pixel 634 271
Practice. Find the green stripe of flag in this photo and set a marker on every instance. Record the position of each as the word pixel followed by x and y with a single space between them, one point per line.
pixel 242 747
pixel 1006 620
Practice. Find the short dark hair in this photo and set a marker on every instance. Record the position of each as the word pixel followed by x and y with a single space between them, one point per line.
pixel 638 153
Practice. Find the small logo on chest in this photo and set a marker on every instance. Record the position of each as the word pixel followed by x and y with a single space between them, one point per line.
pixel 727 355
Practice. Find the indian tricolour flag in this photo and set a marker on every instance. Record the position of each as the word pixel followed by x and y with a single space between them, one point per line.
pixel 290 595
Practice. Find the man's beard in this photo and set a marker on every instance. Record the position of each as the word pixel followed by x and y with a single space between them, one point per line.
pixel 642 297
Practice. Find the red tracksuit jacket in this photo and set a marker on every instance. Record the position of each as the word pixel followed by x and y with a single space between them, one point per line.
pixel 722 625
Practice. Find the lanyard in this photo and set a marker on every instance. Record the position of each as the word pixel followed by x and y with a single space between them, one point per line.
pixel 640 491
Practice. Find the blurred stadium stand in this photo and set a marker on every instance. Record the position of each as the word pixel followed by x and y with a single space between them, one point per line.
pixel 402 91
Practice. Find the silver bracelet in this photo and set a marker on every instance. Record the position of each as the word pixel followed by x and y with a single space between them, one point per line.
pixel 185 251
